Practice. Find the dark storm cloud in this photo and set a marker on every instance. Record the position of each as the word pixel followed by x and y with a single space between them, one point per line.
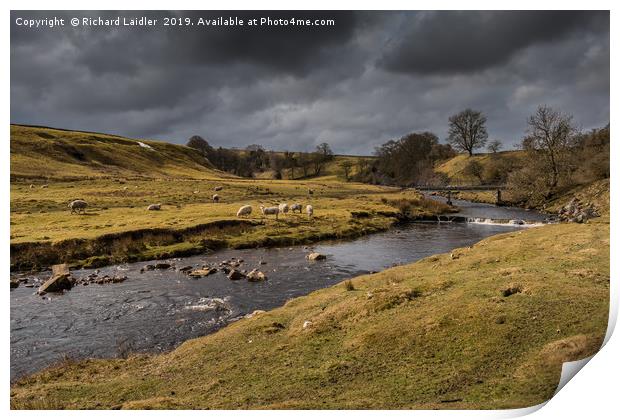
pixel 454 42
pixel 354 85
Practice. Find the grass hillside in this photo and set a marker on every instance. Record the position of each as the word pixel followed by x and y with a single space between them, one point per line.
pixel 596 193
pixel 46 153
pixel 484 327
pixel 455 167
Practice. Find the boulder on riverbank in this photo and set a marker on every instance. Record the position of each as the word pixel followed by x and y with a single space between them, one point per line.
pixel 577 212
pixel 255 313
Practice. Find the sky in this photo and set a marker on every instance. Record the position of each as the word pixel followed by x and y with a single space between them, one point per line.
pixel 369 78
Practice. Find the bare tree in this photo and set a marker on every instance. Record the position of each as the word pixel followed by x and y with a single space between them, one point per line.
pixel 550 133
pixel 326 150
pixel 305 161
pixel 346 166
pixel 468 130
pixel 290 162
pixel 318 161
pixel 494 146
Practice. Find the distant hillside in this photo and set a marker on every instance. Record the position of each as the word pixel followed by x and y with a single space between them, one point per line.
pixel 455 168
pixel 49 153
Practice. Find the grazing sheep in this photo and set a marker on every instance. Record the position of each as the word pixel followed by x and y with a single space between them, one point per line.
pixel 218 188
pixel 283 208
pixel 270 210
pixel 216 198
pixel 154 207
pixel 310 191
pixel 77 205
pixel 244 211
pixel 31 186
pixel 309 211
pixel 297 207
pixel 44 186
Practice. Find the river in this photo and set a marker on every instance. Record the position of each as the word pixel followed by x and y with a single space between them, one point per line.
pixel 157 310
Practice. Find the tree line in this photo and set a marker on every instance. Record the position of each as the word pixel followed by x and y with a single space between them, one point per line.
pixel 254 158
pixel 557 156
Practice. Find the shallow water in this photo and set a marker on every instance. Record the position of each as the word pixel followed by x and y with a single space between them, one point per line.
pixel 157 310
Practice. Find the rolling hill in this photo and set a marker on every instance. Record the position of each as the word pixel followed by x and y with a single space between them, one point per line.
pixel 454 168
pixel 49 153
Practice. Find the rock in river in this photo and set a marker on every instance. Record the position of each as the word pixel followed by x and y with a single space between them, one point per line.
pixel 60 280
pixel 203 272
pixel 162 266
pixel 235 275
pixel 315 256
pixel 256 275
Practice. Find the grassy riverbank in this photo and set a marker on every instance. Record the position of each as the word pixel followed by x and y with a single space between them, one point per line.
pixel 119 178
pixel 483 327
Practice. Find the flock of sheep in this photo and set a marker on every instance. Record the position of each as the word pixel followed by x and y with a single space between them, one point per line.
pixel 79 206
pixel 280 209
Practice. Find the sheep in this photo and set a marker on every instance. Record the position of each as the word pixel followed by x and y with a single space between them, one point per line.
pixel 216 198
pixel 310 191
pixel 244 211
pixel 218 188
pixel 297 207
pixel 309 211
pixel 283 208
pixel 44 186
pixel 270 210
pixel 154 207
pixel 77 205
pixel 31 186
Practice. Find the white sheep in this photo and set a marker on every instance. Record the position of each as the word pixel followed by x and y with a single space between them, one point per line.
pixel 244 211
pixel 77 205
pixel 270 210
pixel 216 198
pixel 154 207
pixel 218 188
pixel 31 186
pixel 297 207
pixel 283 208
pixel 309 210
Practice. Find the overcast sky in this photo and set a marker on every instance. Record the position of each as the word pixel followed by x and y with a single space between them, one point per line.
pixel 371 77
